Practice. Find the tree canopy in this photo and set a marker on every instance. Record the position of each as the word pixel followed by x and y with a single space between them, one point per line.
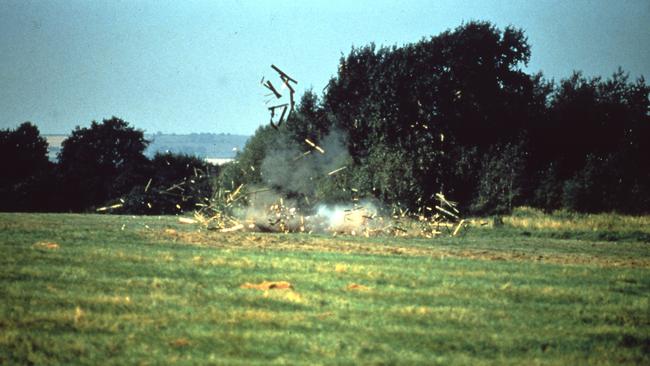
pixel 25 169
pixel 453 113
pixel 456 113
pixel 107 156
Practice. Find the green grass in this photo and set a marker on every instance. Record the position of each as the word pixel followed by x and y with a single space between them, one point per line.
pixel 146 290
pixel 565 225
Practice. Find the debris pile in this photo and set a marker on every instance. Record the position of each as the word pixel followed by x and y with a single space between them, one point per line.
pixel 442 219
pixel 356 219
pixel 218 214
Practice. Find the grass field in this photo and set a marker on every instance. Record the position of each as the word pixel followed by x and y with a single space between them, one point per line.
pixel 91 289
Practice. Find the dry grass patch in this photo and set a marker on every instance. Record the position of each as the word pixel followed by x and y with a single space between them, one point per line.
pixel 372 246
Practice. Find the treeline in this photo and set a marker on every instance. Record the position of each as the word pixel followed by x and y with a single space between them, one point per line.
pixel 456 114
pixel 99 166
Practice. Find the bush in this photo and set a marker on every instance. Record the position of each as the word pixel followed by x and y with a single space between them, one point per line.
pixel 501 180
pixel 176 183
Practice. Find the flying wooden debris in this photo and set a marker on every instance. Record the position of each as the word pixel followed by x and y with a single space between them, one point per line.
pixel 310 143
pixel 446 212
pixel 146 188
pixel 302 155
pixel 176 186
pixel 270 86
pixel 117 205
pixel 283 74
pixel 457 230
pixel 320 150
pixel 337 170
pixel 233 196
pixel 273 108
pixel 286 79
pixel 287 107
pixel 281 119
pixel 449 204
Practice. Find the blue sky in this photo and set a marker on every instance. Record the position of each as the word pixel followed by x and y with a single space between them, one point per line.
pixel 195 66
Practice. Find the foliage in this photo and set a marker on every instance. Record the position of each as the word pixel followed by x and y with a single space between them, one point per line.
pixel 595 117
pixel 433 99
pixel 309 121
pixel 101 162
pixel 177 183
pixel 596 137
pixel 547 193
pixel 501 177
pixel 389 175
pixel 453 113
pixel 564 224
pixel 26 183
pixel 456 114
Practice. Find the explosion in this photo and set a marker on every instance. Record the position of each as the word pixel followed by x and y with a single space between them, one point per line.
pixel 288 170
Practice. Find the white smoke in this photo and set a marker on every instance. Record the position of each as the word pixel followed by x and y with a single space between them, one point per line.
pixel 297 168
pixel 348 218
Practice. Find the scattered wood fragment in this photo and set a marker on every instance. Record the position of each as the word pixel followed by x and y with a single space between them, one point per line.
pixel 117 205
pixel 283 74
pixel 302 155
pixel 232 228
pixel 446 212
pixel 270 86
pixel 186 220
pixel 457 230
pixel 337 170
pixel 310 143
pixel 146 188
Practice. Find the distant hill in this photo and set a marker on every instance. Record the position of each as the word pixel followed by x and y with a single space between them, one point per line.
pixel 54 145
pixel 204 145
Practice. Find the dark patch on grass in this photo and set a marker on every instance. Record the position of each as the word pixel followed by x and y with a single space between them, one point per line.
pixel 635 341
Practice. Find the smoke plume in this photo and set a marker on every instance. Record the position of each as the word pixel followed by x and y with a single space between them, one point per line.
pixel 297 169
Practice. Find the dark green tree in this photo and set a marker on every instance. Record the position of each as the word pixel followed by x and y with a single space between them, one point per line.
pixel 430 101
pixel 595 140
pixel 101 162
pixel 501 180
pixel 176 183
pixel 26 183
pixel 456 113
pixel 309 121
